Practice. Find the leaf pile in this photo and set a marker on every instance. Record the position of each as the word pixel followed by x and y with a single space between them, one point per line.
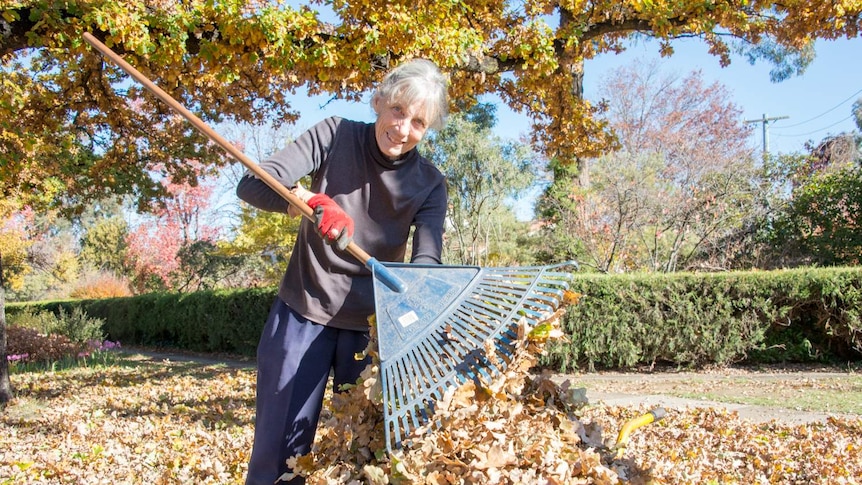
pixel 516 428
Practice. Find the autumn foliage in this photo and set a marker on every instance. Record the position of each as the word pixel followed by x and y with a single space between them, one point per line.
pixel 155 244
pixel 101 285
pixel 239 61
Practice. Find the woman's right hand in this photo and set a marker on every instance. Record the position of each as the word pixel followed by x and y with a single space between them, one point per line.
pixel 333 224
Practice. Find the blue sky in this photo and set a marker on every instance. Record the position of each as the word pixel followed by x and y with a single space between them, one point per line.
pixel 816 104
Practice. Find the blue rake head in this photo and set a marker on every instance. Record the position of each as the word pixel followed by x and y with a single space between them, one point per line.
pixel 432 333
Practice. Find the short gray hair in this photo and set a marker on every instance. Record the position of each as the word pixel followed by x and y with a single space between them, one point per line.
pixel 417 80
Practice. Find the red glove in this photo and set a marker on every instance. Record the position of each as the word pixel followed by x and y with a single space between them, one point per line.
pixel 333 224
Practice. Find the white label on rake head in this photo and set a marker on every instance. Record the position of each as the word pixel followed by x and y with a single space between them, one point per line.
pixel 408 319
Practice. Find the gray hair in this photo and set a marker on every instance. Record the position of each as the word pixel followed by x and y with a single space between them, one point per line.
pixel 417 80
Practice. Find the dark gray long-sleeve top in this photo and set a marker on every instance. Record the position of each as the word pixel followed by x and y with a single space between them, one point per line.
pixel 384 198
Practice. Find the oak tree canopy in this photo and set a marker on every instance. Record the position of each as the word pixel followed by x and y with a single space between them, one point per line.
pixel 73 125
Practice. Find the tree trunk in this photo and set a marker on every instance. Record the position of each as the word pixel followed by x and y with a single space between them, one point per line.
pixel 575 68
pixel 5 383
pixel 583 164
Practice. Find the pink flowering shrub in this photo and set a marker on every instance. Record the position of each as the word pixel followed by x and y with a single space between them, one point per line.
pixel 28 345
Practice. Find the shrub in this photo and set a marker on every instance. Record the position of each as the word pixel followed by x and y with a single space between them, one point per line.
pixel 32 318
pixel 28 345
pixel 686 319
pixel 101 285
pixel 79 327
pixel 74 324
pixel 624 321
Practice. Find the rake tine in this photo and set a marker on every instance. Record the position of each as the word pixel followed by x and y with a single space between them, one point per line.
pixel 474 338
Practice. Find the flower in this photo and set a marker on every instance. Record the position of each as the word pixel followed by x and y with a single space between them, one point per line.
pixel 96 345
pixel 108 345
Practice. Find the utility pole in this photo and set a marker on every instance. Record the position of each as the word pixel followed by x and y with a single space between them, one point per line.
pixel 765 121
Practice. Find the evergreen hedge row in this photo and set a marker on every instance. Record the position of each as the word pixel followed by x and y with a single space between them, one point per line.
pixel 626 321
pixel 622 321
pixel 222 321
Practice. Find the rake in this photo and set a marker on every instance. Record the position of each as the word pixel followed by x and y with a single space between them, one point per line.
pixel 457 323
pixel 435 323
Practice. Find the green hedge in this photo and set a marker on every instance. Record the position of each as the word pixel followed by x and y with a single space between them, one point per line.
pixel 209 321
pixel 621 321
pixel 686 319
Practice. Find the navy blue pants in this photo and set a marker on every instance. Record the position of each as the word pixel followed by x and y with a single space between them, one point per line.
pixel 294 359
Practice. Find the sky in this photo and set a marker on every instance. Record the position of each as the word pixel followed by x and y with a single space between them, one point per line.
pixel 815 104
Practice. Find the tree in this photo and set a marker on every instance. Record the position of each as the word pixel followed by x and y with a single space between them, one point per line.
pixel 178 222
pixel 820 221
pixel 857 114
pixel 803 212
pixel 482 173
pixel 823 222
pixel 681 178
pixel 12 264
pixel 40 252
pixel 104 246
pixel 262 240
pixel 15 242
pixel 5 384
pixel 203 265
pixel 268 237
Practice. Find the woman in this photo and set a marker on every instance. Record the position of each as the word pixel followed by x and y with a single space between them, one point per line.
pixel 370 184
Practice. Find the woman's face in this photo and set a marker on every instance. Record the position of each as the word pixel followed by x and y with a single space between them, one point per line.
pixel 398 128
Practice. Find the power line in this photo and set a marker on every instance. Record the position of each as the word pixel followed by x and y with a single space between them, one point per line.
pixel 815 131
pixel 825 112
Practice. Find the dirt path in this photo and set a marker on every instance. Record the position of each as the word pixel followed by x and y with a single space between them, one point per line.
pixel 790 394
pixel 794 394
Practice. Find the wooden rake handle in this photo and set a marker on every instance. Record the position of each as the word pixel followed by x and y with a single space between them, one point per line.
pixel 381 272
